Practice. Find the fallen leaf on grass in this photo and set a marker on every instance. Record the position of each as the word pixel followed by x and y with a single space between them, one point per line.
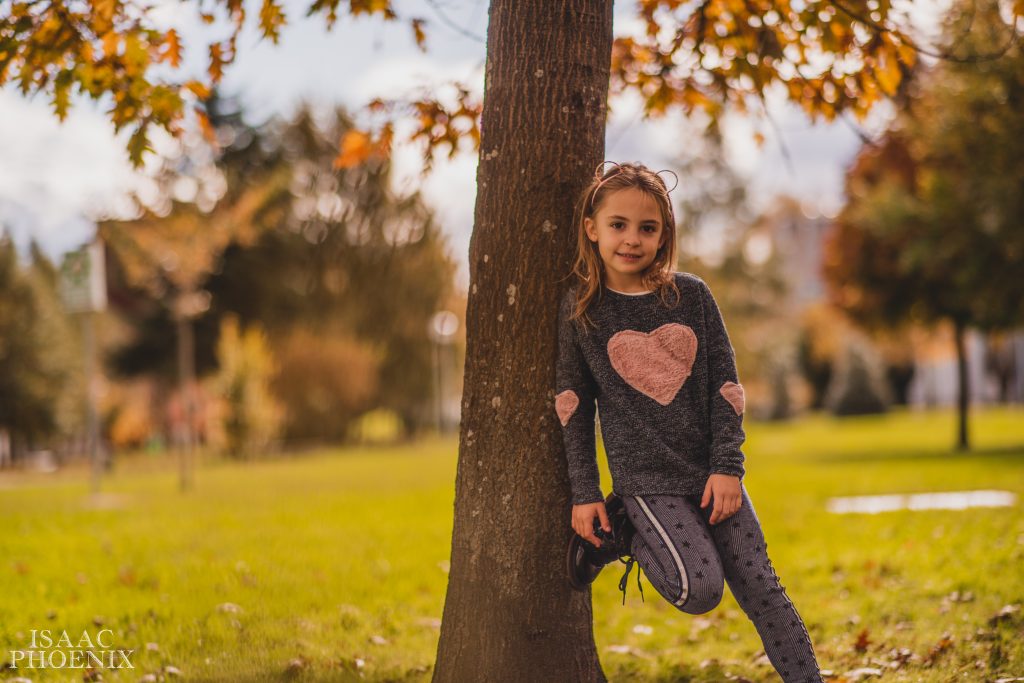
pixel 737 678
pixel 899 656
pixel 295 666
pixel 1004 614
pixel 628 650
pixel 229 608
pixel 862 641
pixel 432 622
pixel 945 642
pixel 698 624
pixel 863 672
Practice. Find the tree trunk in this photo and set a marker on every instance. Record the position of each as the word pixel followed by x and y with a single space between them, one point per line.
pixel 509 613
pixel 963 384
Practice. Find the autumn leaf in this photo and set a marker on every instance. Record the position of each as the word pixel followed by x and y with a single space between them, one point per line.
pixel 271 20
pixel 862 642
pixel 173 52
pixel 205 126
pixel 419 35
pixel 103 15
pixel 216 68
pixel 200 90
pixel 355 148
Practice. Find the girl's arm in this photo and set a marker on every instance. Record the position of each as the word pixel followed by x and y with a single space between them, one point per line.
pixel 725 393
pixel 575 395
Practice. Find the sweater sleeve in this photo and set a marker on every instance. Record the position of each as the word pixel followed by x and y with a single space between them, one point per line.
pixel 725 393
pixel 575 396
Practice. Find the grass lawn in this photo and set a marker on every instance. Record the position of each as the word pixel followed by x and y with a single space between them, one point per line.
pixel 332 566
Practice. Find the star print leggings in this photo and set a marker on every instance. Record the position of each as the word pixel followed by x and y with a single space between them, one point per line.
pixel 686 558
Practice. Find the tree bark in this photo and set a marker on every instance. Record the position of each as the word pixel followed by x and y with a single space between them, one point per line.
pixel 510 614
pixel 963 384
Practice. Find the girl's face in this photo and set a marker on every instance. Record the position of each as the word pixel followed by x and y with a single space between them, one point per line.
pixel 628 231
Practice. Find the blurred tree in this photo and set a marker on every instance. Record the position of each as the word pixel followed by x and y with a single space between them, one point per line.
pixel 315 246
pixel 41 396
pixel 934 229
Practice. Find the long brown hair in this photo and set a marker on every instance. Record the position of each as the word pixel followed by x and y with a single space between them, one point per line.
pixel 589 268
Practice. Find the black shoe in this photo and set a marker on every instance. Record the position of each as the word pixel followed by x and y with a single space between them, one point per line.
pixel 585 560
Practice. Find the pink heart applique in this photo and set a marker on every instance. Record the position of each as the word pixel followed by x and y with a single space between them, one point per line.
pixel 654 363
pixel 565 405
pixel 733 393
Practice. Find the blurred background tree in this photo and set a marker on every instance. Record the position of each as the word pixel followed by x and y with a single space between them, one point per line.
pixel 934 226
pixel 41 379
pixel 265 228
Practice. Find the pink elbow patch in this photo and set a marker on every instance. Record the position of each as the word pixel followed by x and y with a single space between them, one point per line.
pixel 733 393
pixel 655 363
pixel 566 404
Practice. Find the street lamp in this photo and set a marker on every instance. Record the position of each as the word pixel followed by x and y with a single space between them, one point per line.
pixel 441 329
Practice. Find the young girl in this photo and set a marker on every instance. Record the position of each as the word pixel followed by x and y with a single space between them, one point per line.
pixel 650 347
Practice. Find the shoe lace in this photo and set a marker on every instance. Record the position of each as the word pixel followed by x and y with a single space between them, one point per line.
pixel 622 582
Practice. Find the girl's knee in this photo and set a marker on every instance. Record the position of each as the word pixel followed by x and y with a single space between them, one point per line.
pixel 703 598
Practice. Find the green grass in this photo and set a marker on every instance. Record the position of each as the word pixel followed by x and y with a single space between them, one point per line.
pixel 322 553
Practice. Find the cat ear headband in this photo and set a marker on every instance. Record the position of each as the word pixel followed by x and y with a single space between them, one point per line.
pixel 599 176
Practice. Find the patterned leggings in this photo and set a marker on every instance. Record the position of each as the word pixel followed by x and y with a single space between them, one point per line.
pixel 686 558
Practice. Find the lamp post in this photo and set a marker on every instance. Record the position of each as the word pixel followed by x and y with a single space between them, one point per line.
pixel 442 328
pixel 83 289
pixel 186 307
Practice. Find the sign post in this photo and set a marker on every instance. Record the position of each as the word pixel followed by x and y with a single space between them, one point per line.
pixel 83 289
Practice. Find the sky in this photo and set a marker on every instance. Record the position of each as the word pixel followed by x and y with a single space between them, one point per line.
pixel 55 175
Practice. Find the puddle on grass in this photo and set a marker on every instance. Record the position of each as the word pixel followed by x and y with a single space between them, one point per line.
pixel 948 500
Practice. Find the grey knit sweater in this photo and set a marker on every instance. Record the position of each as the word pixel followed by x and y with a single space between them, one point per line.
pixel 665 383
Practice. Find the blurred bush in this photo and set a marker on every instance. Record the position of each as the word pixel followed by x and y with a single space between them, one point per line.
pixel 326 381
pixel 251 415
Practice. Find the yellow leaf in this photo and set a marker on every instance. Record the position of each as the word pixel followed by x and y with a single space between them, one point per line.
pixel 907 53
pixel 888 72
pixel 271 20
pixel 103 12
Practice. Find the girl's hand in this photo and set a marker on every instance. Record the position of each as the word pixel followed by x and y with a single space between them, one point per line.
pixel 583 520
pixel 725 488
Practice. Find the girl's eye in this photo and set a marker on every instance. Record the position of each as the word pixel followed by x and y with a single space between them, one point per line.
pixel 648 227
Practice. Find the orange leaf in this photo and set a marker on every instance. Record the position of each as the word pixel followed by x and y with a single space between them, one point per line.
pixel 111 43
pixel 421 37
pixel 354 149
pixel 173 43
pixel 205 126
pixel 200 90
